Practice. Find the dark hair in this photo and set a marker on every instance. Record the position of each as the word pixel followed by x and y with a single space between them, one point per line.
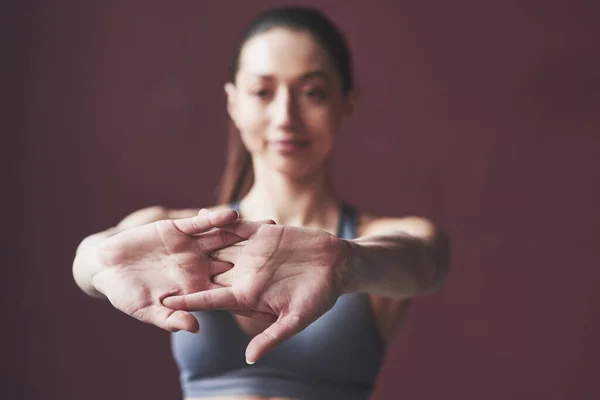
pixel 238 175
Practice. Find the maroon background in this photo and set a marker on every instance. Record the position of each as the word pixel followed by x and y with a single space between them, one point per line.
pixel 484 115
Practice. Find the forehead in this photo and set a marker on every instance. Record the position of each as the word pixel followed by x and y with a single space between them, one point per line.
pixel 283 53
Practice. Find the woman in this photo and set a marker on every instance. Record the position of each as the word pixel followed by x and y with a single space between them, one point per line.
pixel 313 290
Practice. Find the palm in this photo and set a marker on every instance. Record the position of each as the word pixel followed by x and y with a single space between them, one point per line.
pixel 143 265
pixel 289 272
pixel 284 270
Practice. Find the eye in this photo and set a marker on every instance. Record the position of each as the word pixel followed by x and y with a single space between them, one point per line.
pixel 262 93
pixel 316 94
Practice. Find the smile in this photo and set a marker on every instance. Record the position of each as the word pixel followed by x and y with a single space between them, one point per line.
pixel 288 146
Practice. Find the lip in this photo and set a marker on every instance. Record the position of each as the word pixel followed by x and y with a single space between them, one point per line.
pixel 288 146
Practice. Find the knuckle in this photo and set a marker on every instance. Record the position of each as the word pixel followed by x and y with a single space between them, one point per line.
pixel 209 301
pixel 195 223
pixel 272 337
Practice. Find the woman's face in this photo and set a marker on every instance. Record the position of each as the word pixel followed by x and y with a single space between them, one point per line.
pixel 287 101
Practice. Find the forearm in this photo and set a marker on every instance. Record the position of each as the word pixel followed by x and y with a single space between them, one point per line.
pixel 397 265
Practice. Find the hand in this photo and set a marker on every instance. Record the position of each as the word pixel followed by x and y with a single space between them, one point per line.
pixel 296 274
pixel 143 265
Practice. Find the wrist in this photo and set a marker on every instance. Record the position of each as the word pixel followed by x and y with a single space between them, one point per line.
pixel 353 268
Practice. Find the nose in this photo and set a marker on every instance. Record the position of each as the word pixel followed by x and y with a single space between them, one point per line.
pixel 284 112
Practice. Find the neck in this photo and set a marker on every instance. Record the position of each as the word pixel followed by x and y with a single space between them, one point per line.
pixel 307 202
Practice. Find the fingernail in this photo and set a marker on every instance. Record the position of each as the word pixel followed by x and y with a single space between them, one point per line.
pixel 249 362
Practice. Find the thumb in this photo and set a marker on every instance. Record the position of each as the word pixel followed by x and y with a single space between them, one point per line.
pixel 281 330
pixel 168 319
pixel 182 321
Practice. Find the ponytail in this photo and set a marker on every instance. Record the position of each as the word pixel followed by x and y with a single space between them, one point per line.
pixel 238 175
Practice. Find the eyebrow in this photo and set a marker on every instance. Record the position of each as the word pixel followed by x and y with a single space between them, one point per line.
pixel 311 74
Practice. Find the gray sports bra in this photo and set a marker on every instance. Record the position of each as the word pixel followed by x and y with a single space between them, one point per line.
pixel 336 357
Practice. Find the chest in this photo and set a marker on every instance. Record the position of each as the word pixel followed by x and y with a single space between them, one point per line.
pixel 344 344
pixel 387 313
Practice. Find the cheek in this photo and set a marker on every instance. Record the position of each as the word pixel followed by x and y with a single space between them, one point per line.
pixel 324 124
pixel 251 123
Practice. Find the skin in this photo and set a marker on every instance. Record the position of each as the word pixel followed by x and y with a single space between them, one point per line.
pixel 281 273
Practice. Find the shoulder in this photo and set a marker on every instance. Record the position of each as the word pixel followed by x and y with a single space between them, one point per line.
pixel 413 225
pixel 151 214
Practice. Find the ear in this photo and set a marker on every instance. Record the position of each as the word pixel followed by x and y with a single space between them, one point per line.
pixel 230 92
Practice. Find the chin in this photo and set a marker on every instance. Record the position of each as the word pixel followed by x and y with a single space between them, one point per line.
pixel 296 169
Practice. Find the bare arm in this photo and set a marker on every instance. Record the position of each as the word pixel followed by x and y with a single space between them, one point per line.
pixel 398 258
